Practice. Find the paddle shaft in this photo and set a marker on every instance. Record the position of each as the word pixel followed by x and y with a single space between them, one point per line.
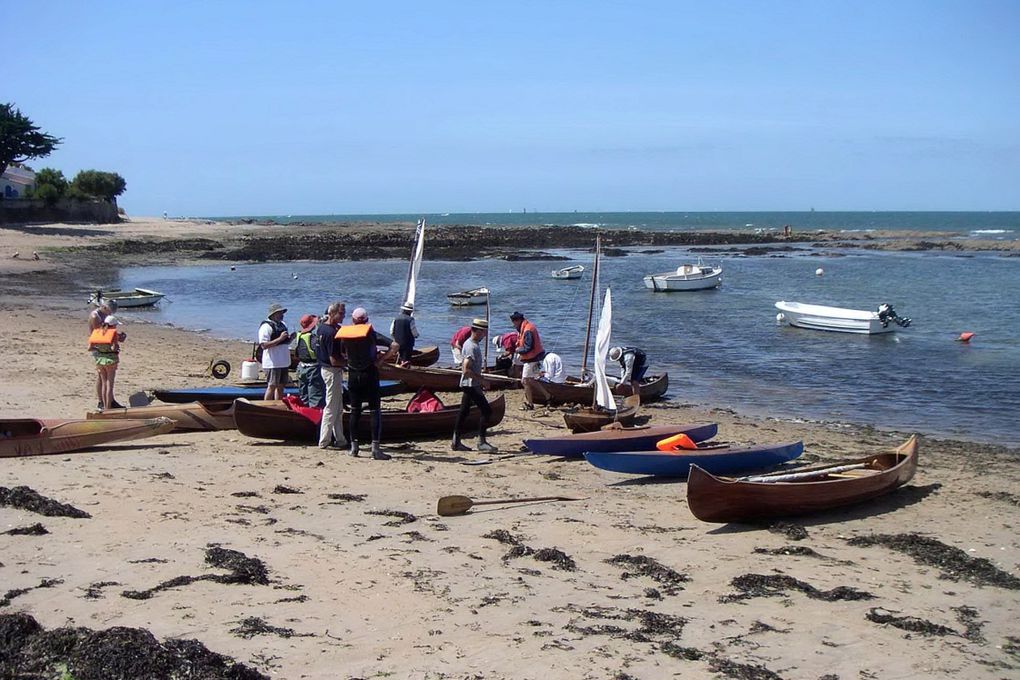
pixel 525 500
pixel 802 475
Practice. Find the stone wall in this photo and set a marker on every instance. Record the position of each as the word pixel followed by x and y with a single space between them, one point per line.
pixel 24 210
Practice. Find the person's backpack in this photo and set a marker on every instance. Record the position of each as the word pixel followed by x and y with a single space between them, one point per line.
pixel 424 401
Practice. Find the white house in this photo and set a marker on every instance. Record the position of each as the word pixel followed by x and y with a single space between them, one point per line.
pixel 15 181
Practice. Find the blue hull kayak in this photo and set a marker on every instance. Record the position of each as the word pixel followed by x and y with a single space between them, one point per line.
pixel 387 388
pixel 723 460
pixel 633 439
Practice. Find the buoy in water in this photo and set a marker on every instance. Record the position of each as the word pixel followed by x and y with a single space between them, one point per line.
pixel 295 276
pixel 819 271
pixel 233 268
pixel 965 336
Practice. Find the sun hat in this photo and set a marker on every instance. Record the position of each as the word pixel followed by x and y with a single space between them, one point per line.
pixel 516 316
pixel 480 324
pixel 615 353
pixel 308 322
pixel 276 307
pixel 359 314
pixel 111 320
pixel 407 307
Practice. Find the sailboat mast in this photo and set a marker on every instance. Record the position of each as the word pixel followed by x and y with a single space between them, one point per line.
pixel 415 264
pixel 591 304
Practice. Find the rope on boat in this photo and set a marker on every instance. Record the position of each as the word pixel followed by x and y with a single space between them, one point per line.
pixel 801 475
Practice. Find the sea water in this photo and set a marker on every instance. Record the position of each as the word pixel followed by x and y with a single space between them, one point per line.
pixel 721 348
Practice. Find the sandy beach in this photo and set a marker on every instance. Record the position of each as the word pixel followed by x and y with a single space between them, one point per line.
pixel 363 579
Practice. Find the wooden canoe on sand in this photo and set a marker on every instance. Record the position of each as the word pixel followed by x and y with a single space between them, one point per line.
pixel 440 379
pixel 193 417
pixel 587 419
pixel 262 421
pixel 574 393
pixel 799 492
pixel 32 437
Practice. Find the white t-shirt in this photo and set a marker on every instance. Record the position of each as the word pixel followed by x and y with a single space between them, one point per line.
pixel 277 356
pixel 552 368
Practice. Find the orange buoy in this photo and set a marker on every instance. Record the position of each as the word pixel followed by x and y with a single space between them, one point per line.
pixel 965 337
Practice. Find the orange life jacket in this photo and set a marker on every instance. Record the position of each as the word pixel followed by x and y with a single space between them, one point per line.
pixel 358 331
pixel 104 335
pixel 676 443
pixel 536 342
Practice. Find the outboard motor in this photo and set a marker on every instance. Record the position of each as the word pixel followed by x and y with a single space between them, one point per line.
pixel 886 314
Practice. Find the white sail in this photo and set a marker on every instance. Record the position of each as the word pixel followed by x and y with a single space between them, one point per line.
pixel 416 255
pixel 603 395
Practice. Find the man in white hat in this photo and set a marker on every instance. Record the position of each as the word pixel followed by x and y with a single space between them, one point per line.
pixel 404 332
pixel 274 339
pixel 635 364
pixel 471 382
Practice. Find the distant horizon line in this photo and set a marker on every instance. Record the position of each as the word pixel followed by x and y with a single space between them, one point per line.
pixel 593 212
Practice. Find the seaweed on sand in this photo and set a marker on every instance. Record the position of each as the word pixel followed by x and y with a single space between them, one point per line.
pixel 36 529
pixel 24 498
pixel 280 488
pixel 402 517
pixel 347 497
pixel 18 592
pixel 669 579
pixel 954 563
pixel 773 585
pixel 794 532
pixel 798 550
pixel 912 624
pixel 243 570
pixel 504 537
pixel 28 651
pixel 251 626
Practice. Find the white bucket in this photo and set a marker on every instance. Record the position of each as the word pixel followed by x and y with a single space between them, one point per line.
pixel 249 370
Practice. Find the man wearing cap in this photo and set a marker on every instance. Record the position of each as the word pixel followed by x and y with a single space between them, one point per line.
pixel 530 352
pixel 331 369
pixel 404 332
pixel 96 318
pixel 274 340
pixel 635 364
pixel 311 388
pixel 471 388
pixel 359 342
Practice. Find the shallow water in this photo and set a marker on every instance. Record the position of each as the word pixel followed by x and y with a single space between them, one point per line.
pixel 720 347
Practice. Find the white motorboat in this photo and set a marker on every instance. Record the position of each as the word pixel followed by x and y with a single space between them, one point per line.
pixel 698 276
pixel 569 272
pixel 139 297
pixel 838 319
pixel 477 296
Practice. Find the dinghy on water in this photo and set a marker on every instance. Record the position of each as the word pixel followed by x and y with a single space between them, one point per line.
pixel 839 319
pixel 569 272
pixel 139 297
pixel 475 296
pixel 686 277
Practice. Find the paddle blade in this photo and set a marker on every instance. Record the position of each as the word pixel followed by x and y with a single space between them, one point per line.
pixel 453 505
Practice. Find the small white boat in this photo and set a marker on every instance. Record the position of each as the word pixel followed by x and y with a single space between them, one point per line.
pixel 686 277
pixel 838 319
pixel 477 296
pixel 139 297
pixel 569 272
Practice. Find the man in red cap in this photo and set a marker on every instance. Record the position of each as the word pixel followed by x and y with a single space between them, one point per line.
pixel 311 388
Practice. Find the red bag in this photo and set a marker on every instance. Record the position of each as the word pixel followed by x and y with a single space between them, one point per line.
pixel 296 405
pixel 424 401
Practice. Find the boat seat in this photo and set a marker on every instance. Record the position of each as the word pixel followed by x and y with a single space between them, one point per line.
pixel 854 474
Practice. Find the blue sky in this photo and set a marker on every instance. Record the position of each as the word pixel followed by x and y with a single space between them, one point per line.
pixel 241 108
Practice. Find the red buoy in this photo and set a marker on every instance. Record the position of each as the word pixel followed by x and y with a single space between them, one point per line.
pixel 965 337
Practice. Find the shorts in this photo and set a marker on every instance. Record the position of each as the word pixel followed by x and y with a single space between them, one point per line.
pixel 277 376
pixel 531 369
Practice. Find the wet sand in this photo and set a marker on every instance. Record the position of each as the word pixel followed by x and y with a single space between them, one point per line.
pixel 363 579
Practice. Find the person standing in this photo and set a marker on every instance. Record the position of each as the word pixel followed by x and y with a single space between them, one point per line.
pixel 96 318
pixel 104 344
pixel 359 342
pixel 635 364
pixel 311 388
pixel 331 363
pixel 471 383
pixel 457 345
pixel 404 332
pixel 274 339
pixel 530 352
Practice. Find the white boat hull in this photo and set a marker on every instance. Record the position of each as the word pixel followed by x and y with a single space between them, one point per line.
pixel 140 297
pixel 469 297
pixel 834 319
pixel 687 277
pixel 574 272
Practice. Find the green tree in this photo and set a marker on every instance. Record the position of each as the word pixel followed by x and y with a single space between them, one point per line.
pixel 21 139
pixel 98 184
pixel 50 186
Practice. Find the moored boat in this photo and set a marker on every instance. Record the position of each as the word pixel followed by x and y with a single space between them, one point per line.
pixel 139 297
pixel 272 422
pixel 686 277
pixel 565 273
pixel 717 459
pixel 624 439
pixel 475 296
pixel 839 319
pixel 191 417
pixel 34 437
pixel 799 492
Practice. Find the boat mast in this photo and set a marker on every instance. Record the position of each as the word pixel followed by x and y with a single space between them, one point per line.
pixel 411 285
pixel 591 304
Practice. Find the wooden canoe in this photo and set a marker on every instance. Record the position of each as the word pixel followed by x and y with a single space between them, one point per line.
pixel 250 391
pixel 32 437
pixel 440 379
pixel 588 419
pixel 571 392
pixel 627 439
pixel 714 459
pixel 256 419
pixel 799 492
pixel 193 417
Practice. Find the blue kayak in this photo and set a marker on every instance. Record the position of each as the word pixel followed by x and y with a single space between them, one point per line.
pixel 387 388
pixel 717 460
pixel 626 439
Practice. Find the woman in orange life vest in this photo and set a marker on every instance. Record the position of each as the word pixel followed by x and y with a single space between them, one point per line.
pixel 104 343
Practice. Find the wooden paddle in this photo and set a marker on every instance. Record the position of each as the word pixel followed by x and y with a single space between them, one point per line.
pixel 458 505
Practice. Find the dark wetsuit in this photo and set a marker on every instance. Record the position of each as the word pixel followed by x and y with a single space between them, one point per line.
pixel 363 379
